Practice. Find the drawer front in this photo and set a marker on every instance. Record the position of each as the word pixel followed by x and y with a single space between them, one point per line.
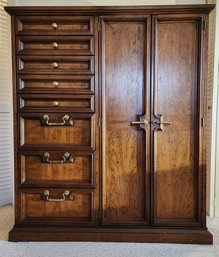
pixel 38 168
pixel 55 45
pixel 41 102
pixel 53 25
pixel 56 129
pixel 38 206
pixel 53 83
pixel 56 65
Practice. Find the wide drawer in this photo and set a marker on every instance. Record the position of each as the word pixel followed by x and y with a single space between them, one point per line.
pixel 56 83
pixel 55 45
pixel 56 206
pixel 44 102
pixel 38 168
pixel 55 64
pixel 53 25
pixel 56 129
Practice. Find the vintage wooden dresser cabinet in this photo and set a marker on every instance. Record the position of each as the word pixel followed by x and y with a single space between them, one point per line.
pixel 109 110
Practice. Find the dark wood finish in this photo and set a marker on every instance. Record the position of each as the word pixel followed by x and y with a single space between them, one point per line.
pixel 55 45
pixel 97 10
pixel 78 171
pixel 107 67
pixel 77 208
pixel 124 41
pixel 42 25
pixel 64 103
pixel 176 153
pixel 175 236
pixel 34 131
pixel 76 84
pixel 45 65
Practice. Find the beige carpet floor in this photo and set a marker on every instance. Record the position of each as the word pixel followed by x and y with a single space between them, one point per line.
pixel 89 249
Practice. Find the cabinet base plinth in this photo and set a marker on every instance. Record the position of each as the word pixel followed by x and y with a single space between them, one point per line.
pixel 156 235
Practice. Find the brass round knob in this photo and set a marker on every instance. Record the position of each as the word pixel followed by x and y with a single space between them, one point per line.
pixel 46 117
pixel 56 103
pixel 55 83
pixel 54 25
pixel 46 192
pixel 55 45
pixel 46 155
pixel 66 117
pixel 67 155
pixel 55 65
pixel 66 193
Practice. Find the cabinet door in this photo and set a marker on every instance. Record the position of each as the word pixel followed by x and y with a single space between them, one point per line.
pixel 177 110
pixel 125 74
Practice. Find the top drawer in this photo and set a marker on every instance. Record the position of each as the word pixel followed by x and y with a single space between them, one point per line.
pixel 53 25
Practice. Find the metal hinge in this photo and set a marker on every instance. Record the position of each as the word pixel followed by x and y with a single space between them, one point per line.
pixel 202 122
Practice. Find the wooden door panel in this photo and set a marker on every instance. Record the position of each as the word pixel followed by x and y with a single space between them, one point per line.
pixel 175 99
pixel 124 43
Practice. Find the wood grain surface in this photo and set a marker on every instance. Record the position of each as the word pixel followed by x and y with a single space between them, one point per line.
pixel 124 98
pixel 77 209
pixel 63 84
pixel 106 67
pixel 65 64
pixel 71 45
pixel 66 25
pixel 36 133
pixel 175 98
pixel 34 170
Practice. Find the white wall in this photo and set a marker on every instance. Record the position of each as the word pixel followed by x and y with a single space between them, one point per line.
pixel 6 147
pixel 99 2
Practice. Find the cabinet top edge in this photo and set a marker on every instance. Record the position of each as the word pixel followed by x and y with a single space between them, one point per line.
pixel 149 9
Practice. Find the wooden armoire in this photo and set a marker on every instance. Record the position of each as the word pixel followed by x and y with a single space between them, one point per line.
pixel 109 123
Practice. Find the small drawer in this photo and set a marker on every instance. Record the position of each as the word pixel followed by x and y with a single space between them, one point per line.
pixel 43 102
pixel 56 206
pixel 56 83
pixel 53 25
pixel 55 45
pixel 55 64
pixel 42 130
pixel 38 168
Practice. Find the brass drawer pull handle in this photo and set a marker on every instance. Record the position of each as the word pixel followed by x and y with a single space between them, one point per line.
pixel 56 103
pixel 156 122
pixel 66 157
pixel 161 123
pixel 46 194
pixel 55 84
pixel 55 45
pixel 66 121
pixel 55 65
pixel 141 122
pixel 54 25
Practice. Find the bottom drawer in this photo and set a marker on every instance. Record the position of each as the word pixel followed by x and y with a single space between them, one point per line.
pixel 56 206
